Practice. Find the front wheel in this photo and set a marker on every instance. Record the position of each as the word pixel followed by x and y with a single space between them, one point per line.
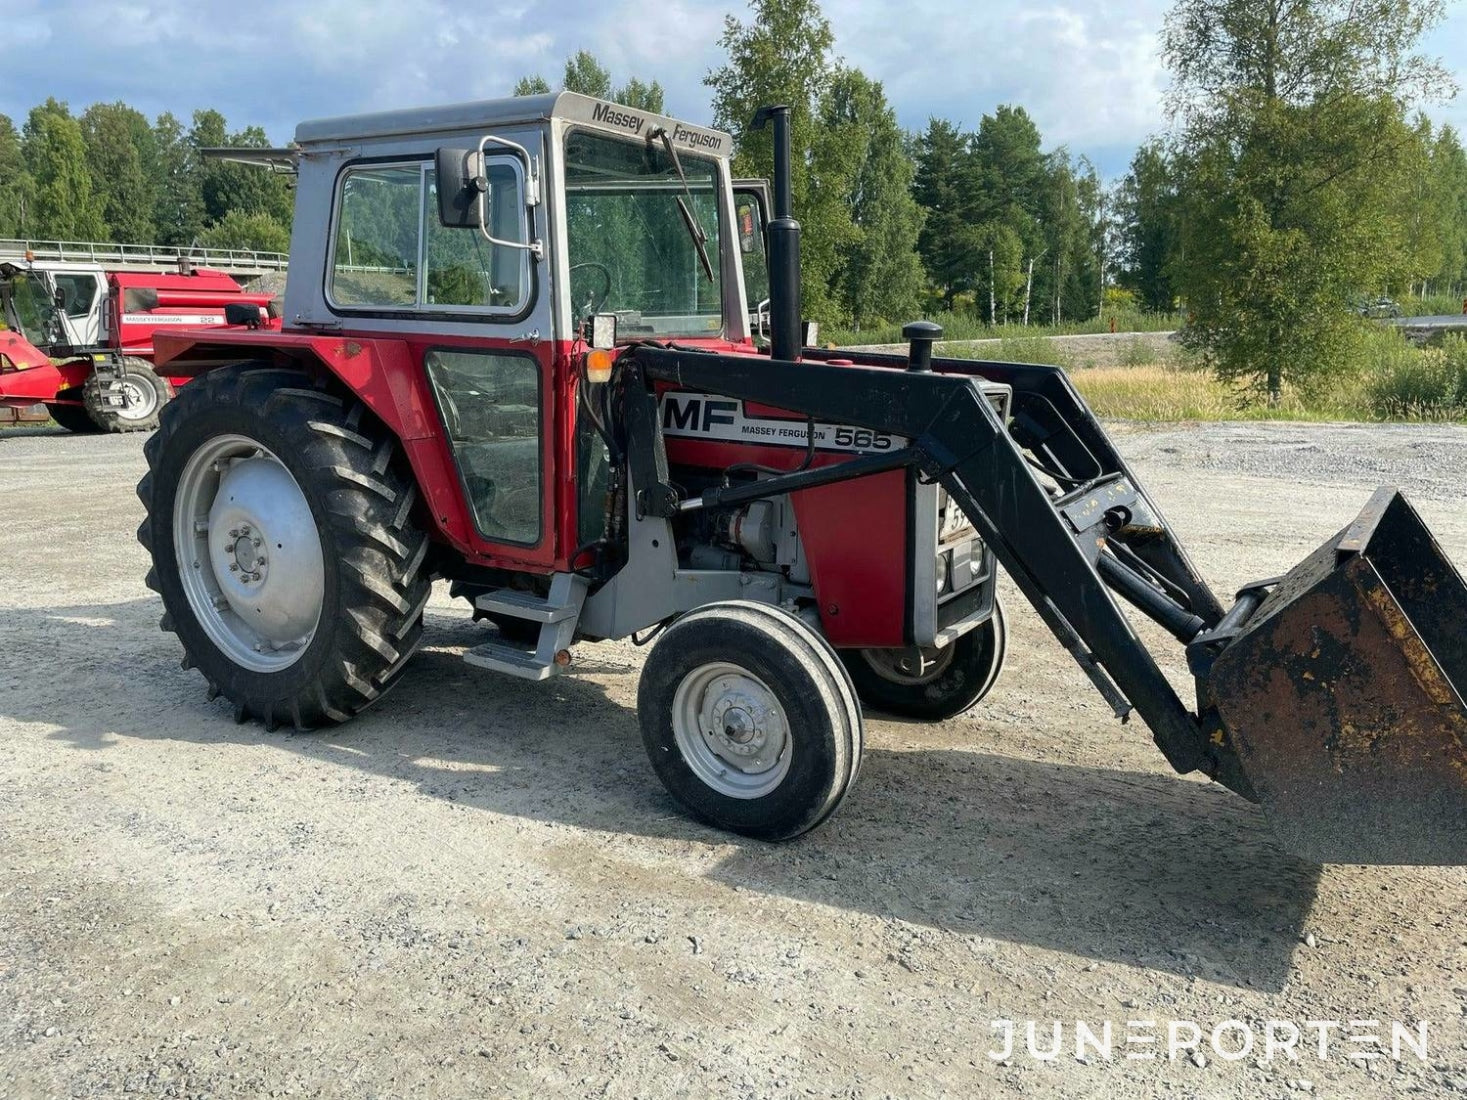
pixel 130 403
pixel 930 683
pixel 750 720
pixel 279 519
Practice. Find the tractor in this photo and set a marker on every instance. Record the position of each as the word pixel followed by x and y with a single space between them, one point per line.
pixel 518 357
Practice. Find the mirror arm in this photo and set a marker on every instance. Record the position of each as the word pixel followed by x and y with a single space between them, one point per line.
pixel 532 196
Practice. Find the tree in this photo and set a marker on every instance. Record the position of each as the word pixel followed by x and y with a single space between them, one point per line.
pixel 179 206
pixel 531 85
pixel 226 187
pixel 782 56
pixel 1449 179
pixel 882 276
pixel 941 185
pixel 15 183
pixel 1421 207
pixel 65 206
pixel 1146 213
pixel 643 97
pixel 584 74
pixel 1293 142
pixel 119 147
pixel 259 232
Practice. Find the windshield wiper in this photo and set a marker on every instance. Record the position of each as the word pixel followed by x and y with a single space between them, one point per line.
pixel 690 221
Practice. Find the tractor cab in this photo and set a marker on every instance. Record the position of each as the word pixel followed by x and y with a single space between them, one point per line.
pixel 485 237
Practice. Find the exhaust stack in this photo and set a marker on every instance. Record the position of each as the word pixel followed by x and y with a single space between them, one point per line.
pixel 784 243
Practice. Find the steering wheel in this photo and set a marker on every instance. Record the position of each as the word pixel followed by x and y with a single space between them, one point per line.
pixel 595 300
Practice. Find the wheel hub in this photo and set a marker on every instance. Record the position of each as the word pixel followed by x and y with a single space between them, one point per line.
pixel 136 401
pixel 732 730
pixel 249 553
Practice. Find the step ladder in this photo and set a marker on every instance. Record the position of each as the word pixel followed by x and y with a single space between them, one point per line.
pixel 556 614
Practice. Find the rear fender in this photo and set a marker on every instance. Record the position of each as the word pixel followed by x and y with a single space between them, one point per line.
pixel 380 372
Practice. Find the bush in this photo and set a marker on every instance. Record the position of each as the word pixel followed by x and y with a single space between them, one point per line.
pixel 1410 383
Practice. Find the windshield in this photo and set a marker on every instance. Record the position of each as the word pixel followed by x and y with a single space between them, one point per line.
pixel 632 252
pixel 30 309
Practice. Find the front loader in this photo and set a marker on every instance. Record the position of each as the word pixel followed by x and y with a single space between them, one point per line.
pixel 517 358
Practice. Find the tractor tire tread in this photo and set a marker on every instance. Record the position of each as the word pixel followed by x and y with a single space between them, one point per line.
pixel 361 648
pixel 103 415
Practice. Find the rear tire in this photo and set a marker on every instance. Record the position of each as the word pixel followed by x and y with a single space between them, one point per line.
pixel 960 675
pixel 279 518
pixel 750 720
pixel 142 391
pixel 73 418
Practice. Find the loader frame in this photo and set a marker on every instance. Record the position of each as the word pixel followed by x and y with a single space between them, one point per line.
pixel 1051 546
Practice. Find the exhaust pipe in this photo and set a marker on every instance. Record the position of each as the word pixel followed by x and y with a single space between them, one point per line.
pixel 784 243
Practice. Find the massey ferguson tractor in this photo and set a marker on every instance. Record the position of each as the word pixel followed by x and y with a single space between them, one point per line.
pixel 516 358
pixel 80 339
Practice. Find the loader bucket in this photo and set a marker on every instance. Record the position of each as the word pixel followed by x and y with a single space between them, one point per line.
pixel 1342 697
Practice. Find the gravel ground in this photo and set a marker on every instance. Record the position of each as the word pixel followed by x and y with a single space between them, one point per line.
pixel 479 887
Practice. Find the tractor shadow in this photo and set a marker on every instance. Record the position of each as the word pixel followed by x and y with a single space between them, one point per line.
pixel 1143 869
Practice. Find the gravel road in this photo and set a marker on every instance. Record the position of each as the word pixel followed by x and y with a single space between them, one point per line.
pixel 480 888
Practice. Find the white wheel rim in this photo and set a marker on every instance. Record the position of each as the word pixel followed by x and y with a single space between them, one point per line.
pixel 731 730
pixel 910 666
pixel 249 554
pixel 139 400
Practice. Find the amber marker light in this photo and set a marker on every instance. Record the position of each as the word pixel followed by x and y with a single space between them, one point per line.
pixel 598 365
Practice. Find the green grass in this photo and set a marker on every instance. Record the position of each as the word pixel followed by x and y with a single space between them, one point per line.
pixel 1156 380
pixel 963 326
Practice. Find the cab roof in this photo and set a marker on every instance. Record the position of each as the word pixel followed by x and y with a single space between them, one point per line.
pixel 488 114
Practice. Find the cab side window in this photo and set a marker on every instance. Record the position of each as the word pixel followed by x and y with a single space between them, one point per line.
pixel 391 252
pixel 490 402
pixel 81 293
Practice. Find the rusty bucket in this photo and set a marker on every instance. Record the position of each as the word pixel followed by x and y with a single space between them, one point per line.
pixel 1342 696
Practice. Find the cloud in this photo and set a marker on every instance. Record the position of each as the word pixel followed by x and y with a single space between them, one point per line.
pixel 1088 73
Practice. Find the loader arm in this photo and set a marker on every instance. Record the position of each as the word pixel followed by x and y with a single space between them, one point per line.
pixel 1332 695
pixel 956 437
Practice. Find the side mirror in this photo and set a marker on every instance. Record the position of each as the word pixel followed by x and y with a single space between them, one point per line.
pixel 462 186
pixel 600 331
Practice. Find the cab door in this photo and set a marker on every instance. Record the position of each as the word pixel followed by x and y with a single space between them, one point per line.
pixel 471 306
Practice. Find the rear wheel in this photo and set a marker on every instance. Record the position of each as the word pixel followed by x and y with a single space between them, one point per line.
pixel 127 404
pixel 750 720
pixel 280 522
pixel 927 682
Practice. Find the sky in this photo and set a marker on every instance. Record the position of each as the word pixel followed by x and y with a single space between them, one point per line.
pixel 1089 73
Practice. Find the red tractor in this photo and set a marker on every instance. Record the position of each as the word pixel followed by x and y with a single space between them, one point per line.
pixel 518 360
pixel 90 337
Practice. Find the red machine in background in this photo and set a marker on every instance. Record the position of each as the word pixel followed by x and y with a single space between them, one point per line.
pixel 80 339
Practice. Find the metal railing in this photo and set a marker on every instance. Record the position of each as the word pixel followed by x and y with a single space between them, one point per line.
pixel 144 256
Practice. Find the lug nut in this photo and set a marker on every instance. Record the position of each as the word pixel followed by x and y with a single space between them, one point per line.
pixel 234 567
